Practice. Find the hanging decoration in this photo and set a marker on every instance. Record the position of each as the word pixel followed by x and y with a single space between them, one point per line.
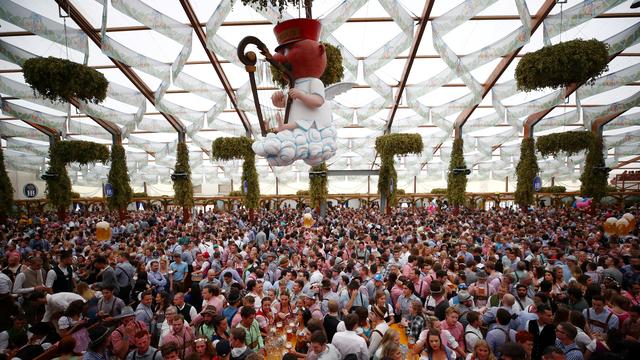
pixel 319 186
pixel 61 80
pixel 457 177
pixel 572 62
pixel 60 154
pixel 6 191
pixel 230 148
pixel 119 180
pixel 526 171
pixel 388 146
pixel 595 173
pixel 181 177
pixel 570 143
pixel 306 131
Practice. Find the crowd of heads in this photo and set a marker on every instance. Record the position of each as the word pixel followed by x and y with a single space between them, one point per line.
pixel 547 283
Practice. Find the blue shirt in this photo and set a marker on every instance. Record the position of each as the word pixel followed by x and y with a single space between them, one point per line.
pixel 571 351
pixel 229 312
pixel 179 271
pixel 498 336
pixel 157 279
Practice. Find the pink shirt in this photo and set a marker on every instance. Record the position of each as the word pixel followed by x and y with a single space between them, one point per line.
pixel 457 331
pixel 396 291
pixel 186 338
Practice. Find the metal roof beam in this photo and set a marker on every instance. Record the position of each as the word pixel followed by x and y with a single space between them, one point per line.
pixel 542 13
pixel 417 38
pixel 94 35
pixel 213 59
pixel 625 163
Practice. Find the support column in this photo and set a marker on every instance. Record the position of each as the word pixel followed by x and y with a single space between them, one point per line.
pixel 506 184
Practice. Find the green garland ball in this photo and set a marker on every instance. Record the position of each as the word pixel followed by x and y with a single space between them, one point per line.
pixel 576 61
pixel 61 80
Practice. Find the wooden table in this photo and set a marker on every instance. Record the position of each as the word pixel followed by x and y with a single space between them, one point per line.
pixel 404 340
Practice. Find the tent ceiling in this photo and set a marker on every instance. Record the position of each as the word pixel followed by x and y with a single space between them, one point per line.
pixel 464 42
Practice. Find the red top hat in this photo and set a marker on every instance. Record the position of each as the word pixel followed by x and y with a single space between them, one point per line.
pixel 290 31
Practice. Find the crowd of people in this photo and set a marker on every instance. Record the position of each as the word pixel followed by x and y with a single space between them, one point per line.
pixel 359 283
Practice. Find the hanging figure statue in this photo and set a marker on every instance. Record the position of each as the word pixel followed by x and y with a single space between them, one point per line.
pixel 310 134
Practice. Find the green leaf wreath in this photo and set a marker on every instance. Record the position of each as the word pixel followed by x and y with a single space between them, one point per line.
pixel 456 182
pixel 576 61
pixel 230 148
pixel 318 186
pixel 61 80
pixel 6 189
pixel 594 177
pixel 388 146
pixel 182 187
pixel 60 154
pixel 570 143
pixel 119 179
pixel 526 171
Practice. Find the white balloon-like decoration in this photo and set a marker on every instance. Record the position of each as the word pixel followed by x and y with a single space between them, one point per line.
pixel 312 146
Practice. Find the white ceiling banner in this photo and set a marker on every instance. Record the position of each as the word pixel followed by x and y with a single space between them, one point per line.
pixel 45 27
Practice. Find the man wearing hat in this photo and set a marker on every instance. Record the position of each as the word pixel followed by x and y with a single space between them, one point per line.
pixel 436 303
pixel 464 306
pixel 206 327
pixel 123 338
pixel 98 344
pixel 480 290
pixel 233 299
pixel 310 301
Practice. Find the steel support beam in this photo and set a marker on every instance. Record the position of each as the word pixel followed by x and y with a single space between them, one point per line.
pixel 417 38
pixel 53 134
pixel 542 13
pixel 213 59
pixel 625 163
pixel 597 126
pixel 94 35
